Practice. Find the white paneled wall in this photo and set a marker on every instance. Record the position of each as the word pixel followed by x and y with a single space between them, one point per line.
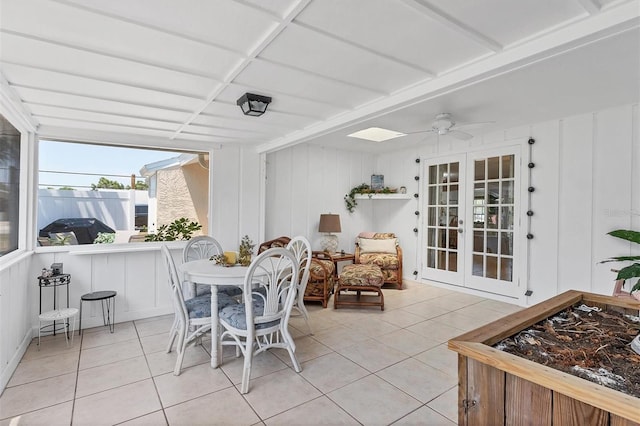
pixel 15 318
pixel 585 186
pixel 305 181
pixel 584 179
pixel 139 277
pixel 235 196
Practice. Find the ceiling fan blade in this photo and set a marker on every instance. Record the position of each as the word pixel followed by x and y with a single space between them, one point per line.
pixel 460 135
pixel 421 131
pixel 473 124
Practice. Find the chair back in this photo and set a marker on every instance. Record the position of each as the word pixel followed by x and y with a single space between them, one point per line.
pixel 276 242
pixel 174 285
pixel 272 280
pixel 301 249
pixel 201 247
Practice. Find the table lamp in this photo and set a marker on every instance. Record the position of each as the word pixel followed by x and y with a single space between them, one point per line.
pixel 329 223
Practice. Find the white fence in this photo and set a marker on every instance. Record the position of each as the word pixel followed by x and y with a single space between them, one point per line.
pixel 116 208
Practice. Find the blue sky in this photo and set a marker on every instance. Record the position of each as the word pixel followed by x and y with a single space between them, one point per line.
pixel 101 159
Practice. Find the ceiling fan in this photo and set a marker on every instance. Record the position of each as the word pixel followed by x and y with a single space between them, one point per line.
pixel 443 124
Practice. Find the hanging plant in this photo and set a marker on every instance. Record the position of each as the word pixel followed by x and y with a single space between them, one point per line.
pixel 350 199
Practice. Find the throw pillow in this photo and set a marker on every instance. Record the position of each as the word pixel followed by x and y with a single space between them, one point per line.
pixel 370 245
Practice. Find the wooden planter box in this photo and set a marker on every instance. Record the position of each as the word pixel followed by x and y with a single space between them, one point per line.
pixel 497 388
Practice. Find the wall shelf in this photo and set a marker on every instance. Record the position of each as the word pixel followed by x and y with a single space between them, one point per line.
pixel 383 196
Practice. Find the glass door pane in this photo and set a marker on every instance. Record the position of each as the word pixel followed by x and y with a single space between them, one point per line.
pixel 443 190
pixel 493 218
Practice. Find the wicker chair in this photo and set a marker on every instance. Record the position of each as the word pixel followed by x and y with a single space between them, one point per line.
pixel 381 249
pixel 321 278
pixel 321 273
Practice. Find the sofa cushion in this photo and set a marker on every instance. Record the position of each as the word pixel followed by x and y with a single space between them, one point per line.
pixel 374 245
pixel 361 275
pixel 383 260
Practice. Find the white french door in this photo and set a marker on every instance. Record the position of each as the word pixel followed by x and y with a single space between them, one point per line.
pixel 443 220
pixel 470 206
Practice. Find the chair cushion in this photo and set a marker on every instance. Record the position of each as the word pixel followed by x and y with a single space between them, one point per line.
pixel 200 307
pixel 374 245
pixel 236 316
pixel 202 290
pixel 230 290
pixel 318 270
pixel 382 235
pixel 363 275
pixel 383 260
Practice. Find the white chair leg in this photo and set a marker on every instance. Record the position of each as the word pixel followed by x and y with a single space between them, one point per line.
pixel 246 371
pixel 294 360
pixel 73 329
pixel 177 369
pixel 173 333
pixel 291 347
pixel 305 314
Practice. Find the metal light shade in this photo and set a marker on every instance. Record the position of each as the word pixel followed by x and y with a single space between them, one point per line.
pixel 252 104
pixel 329 223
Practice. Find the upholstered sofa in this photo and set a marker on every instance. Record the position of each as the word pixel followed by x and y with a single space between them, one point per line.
pixel 381 249
pixel 321 273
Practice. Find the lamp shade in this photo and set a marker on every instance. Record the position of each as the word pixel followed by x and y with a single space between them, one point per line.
pixel 252 104
pixel 329 223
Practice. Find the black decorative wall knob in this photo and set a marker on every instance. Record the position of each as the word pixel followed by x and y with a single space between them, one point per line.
pixel 531 189
pixel 415 229
pixel 417 178
pixel 530 213
pixel 529 236
pixel 531 165
pixel 531 141
pixel 415 272
pixel 417 213
pixel 417 160
pixel 415 195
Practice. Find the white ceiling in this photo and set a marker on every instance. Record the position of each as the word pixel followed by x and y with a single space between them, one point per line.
pixel 168 72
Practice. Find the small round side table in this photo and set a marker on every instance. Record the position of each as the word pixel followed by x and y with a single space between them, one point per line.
pixel 105 298
pixel 60 315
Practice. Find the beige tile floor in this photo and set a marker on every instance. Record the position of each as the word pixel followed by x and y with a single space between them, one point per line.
pixel 360 366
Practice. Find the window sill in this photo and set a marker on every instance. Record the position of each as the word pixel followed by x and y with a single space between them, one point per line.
pixel 90 249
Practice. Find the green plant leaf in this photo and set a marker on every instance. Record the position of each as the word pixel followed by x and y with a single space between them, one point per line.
pixel 630 271
pixel 626 234
pixel 622 259
pixel 179 229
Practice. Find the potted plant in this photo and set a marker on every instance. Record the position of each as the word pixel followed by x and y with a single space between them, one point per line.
pixel 350 198
pixel 245 251
pixel 630 272
pixel 105 238
pixel 179 229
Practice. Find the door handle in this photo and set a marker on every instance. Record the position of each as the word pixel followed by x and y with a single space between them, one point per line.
pixel 460 230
